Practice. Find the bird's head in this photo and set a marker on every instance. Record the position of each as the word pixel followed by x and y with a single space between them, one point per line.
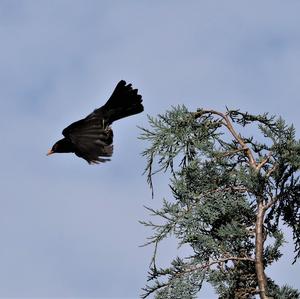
pixel 61 146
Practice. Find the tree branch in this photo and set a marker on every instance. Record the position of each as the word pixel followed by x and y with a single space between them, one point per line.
pixel 231 129
pixel 263 162
pixel 259 246
pixel 218 261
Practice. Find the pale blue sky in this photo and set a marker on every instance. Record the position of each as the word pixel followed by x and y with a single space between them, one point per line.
pixel 68 229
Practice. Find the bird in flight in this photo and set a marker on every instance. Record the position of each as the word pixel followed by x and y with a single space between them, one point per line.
pixel 91 138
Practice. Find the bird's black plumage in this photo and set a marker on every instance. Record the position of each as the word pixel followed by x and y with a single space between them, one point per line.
pixel 91 138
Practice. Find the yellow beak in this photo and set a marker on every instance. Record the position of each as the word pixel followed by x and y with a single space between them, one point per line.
pixel 50 152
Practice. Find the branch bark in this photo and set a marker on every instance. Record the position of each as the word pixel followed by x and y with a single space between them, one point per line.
pixel 261 208
pixel 218 261
pixel 259 253
pixel 231 129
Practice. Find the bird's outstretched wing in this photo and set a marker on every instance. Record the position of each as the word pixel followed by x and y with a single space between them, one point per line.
pixel 91 138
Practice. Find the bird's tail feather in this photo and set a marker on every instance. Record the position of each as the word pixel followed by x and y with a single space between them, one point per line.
pixel 123 102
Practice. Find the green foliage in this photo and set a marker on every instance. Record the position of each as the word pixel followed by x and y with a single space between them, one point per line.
pixel 215 192
pixel 285 292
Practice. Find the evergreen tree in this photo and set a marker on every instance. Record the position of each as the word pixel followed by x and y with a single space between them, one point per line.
pixel 232 193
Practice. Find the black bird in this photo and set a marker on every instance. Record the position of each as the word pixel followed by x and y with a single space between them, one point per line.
pixel 91 138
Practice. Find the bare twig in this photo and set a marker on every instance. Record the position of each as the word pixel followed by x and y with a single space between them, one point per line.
pixel 271 202
pixel 218 261
pixel 231 129
pixel 271 170
pixel 263 162
pixel 230 153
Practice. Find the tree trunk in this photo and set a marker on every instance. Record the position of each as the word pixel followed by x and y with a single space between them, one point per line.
pixel 259 252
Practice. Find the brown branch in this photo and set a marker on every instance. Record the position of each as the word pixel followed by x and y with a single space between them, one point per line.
pixel 232 188
pixel 241 189
pixel 230 153
pixel 199 267
pixel 231 129
pixel 271 170
pixel 244 146
pixel 263 162
pixel 200 113
pixel 259 252
pixel 218 261
pixel 261 208
pixel 271 202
